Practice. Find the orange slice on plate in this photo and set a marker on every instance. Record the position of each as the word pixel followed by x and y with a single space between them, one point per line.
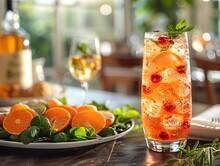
pixel 19 106
pixel 59 118
pixel 17 121
pixel 70 109
pixel 87 108
pixel 54 103
pixel 22 107
pixel 89 119
pixel 109 117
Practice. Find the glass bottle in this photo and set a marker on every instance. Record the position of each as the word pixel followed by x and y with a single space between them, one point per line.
pixel 15 55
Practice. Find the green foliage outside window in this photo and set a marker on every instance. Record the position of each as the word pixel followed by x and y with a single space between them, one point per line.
pixel 39 23
pixel 147 11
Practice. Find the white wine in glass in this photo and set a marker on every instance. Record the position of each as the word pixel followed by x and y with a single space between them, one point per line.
pixel 84 61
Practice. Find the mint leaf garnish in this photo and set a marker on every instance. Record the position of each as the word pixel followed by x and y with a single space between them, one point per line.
pixel 181 25
pixel 83 48
pixel 179 28
pixel 171 28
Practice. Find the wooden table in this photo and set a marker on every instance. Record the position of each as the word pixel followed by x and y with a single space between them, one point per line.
pixel 128 150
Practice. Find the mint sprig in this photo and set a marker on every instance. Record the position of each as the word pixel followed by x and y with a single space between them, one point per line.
pixel 180 27
pixel 83 48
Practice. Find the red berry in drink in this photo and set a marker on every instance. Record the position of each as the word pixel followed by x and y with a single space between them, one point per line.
pixel 145 89
pixel 169 106
pixel 163 40
pixel 155 78
pixel 186 125
pixel 181 69
pixel 164 135
pixel 171 41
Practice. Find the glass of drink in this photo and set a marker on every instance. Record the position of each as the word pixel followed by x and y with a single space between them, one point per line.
pixel 84 61
pixel 166 102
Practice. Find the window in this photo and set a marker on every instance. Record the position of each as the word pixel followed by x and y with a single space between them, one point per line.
pixel 53 23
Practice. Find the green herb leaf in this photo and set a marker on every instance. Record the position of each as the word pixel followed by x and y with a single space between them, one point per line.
pixel 4 134
pixel 14 138
pixel 42 122
pixel 171 28
pixel 52 133
pixel 91 133
pixel 172 161
pixel 74 62
pixel 29 135
pixel 132 114
pixel 83 48
pixel 63 100
pixel 180 27
pixel 81 133
pixel 199 155
pixel 60 137
pixel 126 113
pixel 43 108
pixel 108 131
pixel 189 28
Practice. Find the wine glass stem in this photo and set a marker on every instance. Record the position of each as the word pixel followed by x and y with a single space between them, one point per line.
pixel 85 87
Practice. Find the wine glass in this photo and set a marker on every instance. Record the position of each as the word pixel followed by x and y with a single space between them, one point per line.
pixel 84 61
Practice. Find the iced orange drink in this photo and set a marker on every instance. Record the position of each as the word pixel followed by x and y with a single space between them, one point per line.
pixel 166 91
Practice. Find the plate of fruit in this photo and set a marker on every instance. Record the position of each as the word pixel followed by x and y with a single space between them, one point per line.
pixel 53 124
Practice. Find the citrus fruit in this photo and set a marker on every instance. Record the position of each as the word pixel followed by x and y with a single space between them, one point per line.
pixel 19 106
pixel 89 119
pixel 17 121
pixel 70 109
pixel 59 118
pixel 166 58
pixel 109 117
pixel 33 112
pixel 54 103
pixel 87 108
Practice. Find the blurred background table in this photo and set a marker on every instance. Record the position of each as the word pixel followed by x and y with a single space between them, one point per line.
pixel 208 78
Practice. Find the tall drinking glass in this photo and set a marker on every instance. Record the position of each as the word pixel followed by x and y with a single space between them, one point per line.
pixel 166 91
pixel 84 61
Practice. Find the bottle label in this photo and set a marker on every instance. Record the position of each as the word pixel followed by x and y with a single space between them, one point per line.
pixel 17 69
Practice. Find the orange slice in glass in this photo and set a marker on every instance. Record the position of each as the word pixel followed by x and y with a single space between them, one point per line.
pixel 167 58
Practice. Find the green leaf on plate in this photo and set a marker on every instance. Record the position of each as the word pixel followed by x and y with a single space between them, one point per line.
pixel 60 137
pixel 108 131
pixel 29 135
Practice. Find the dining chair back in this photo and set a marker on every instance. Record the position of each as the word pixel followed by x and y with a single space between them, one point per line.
pixel 121 74
pixel 207 66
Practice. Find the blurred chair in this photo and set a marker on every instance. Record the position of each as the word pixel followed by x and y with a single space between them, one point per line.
pixel 121 74
pixel 208 66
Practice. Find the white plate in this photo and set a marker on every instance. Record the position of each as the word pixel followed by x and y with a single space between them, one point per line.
pixel 202 126
pixel 12 101
pixel 64 145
